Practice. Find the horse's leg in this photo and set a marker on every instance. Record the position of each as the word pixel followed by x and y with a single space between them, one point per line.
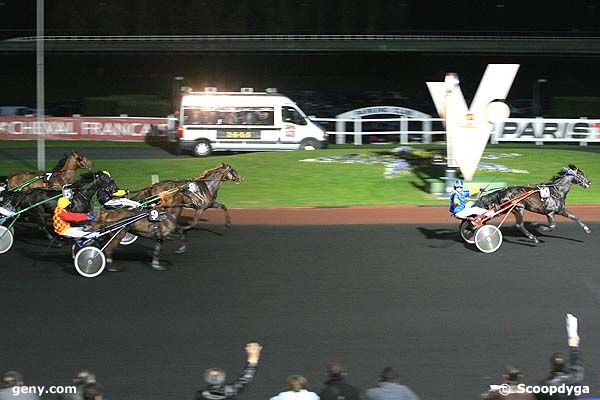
pixel 40 215
pixel 156 256
pixel 569 215
pixel 224 208
pixel 551 223
pixel 518 212
pixel 108 251
pixel 182 241
pixel 197 217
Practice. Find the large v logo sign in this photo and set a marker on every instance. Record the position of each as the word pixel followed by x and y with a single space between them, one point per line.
pixel 468 129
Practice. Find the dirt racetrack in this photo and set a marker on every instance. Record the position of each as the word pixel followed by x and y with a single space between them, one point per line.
pixel 367 215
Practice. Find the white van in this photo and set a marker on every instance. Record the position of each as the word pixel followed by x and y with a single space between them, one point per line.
pixel 238 121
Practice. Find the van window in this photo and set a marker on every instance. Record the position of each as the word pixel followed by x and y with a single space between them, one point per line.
pixel 290 114
pixel 228 116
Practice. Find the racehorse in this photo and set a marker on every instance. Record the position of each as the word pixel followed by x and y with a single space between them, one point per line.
pixel 62 174
pixel 166 228
pixel 208 185
pixel 548 199
pixel 83 192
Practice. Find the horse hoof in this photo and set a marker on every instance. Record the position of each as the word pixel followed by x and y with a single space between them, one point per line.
pixel 587 230
pixel 536 240
pixel 181 250
pixel 228 225
pixel 546 228
pixel 157 267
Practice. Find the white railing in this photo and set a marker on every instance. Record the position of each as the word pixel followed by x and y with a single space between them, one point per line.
pixel 425 132
pixel 531 130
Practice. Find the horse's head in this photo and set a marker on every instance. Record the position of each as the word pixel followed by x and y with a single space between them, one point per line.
pixel 576 175
pixel 231 174
pixel 75 160
pixel 104 181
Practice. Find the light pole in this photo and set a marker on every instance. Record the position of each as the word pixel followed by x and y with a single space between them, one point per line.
pixel 177 82
pixel 537 97
pixel 41 144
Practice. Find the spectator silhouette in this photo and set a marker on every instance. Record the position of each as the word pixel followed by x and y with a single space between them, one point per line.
pixel 512 377
pixel 9 387
pixel 563 373
pixel 217 389
pixel 388 388
pixel 335 387
pixel 86 388
pixel 296 385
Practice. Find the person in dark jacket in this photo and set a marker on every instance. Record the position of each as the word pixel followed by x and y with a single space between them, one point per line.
pixel 335 387
pixel 86 388
pixel 217 389
pixel 563 373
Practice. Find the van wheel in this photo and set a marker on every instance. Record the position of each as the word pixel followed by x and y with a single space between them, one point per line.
pixel 310 144
pixel 202 149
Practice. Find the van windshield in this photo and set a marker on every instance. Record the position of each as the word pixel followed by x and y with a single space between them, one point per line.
pixel 228 116
pixel 291 115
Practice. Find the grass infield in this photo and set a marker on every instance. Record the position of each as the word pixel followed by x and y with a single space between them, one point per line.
pixel 281 179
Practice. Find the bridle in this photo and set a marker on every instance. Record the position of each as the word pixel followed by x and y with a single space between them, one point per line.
pixel 576 175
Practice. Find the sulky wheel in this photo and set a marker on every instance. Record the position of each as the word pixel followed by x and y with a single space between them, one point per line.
pixel 488 238
pixel 90 261
pixel 128 239
pixel 6 239
pixel 75 247
pixel 467 231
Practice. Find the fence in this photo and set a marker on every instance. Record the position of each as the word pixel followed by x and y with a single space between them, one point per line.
pixel 403 130
pixel 337 127
pixel 533 130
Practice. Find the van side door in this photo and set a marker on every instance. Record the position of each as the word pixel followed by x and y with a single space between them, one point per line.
pixel 293 125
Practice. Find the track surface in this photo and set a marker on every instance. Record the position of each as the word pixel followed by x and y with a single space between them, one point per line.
pixel 448 317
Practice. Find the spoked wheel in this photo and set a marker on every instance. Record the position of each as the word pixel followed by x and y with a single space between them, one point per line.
pixel 128 239
pixel 488 238
pixel 90 261
pixel 6 239
pixel 467 231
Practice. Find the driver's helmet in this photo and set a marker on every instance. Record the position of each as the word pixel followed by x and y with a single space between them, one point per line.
pixel 107 173
pixel 63 202
pixel 458 183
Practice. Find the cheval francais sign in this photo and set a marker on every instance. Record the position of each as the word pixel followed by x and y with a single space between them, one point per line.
pixel 84 128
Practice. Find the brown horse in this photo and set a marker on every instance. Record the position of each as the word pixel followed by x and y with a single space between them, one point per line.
pixel 166 228
pixel 208 185
pixel 62 174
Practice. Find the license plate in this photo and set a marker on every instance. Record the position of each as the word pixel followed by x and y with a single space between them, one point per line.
pixel 238 134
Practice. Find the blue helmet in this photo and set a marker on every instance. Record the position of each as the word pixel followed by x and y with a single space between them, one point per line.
pixel 458 183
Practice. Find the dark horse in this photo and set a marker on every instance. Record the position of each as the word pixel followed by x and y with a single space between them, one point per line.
pixel 83 192
pixel 62 174
pixel 165 229
pixel 208 185
pixel 549 199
